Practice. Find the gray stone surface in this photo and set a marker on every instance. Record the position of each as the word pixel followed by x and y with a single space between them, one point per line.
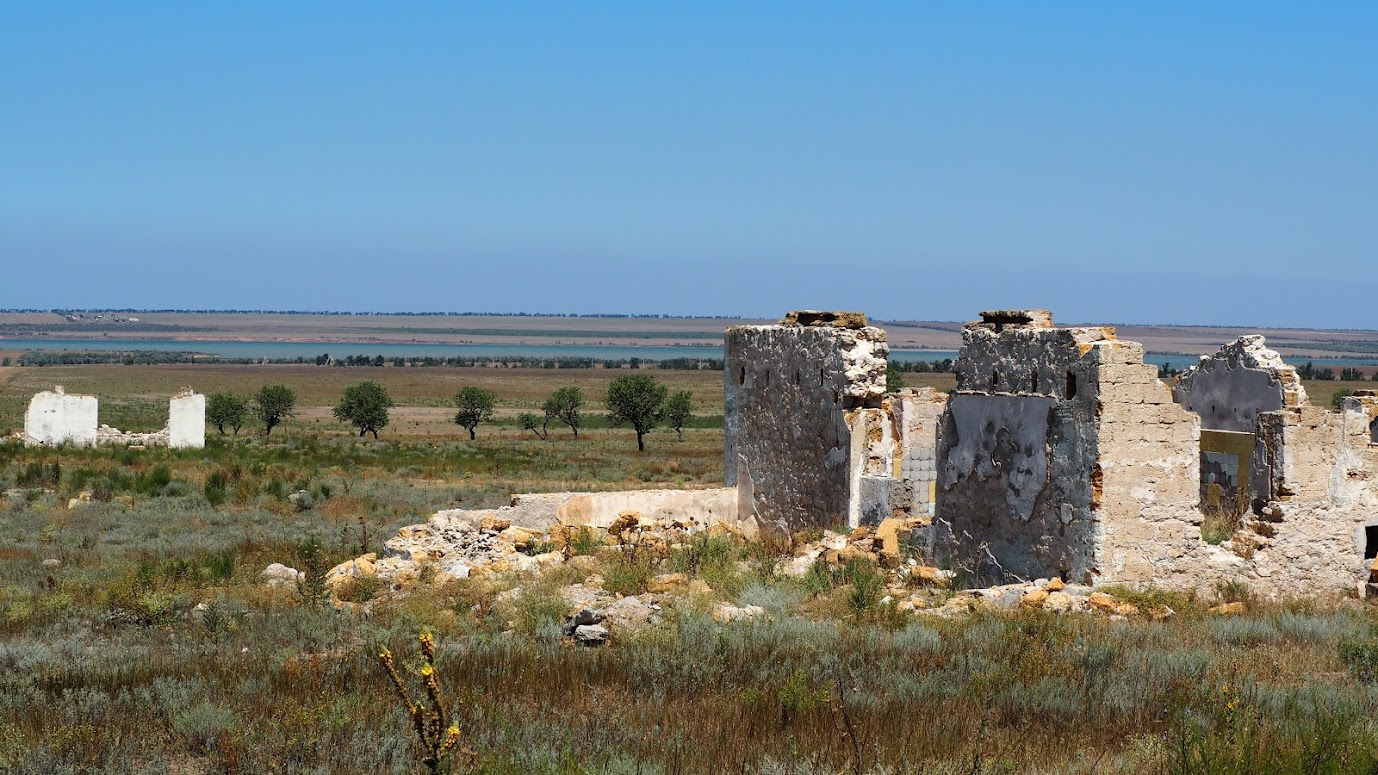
pixel 787 392
pixel 1230 389
pixel 1017 452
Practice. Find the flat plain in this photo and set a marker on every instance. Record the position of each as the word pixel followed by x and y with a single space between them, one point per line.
pixel 136 634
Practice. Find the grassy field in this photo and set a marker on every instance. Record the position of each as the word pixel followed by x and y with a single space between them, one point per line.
pixel 135 635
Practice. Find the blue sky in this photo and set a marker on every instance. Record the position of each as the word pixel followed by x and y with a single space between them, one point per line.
pixel 1117 162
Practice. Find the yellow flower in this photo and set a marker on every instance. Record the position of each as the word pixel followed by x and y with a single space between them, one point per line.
pixel 451 739
pixel 426 670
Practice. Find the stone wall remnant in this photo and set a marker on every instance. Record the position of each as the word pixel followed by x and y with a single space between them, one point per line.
pixel 55 417
pixel 186 420
pixel 1021 483
pixel 793 394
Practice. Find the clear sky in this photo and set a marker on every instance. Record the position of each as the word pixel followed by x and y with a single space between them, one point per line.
pixel 1117 162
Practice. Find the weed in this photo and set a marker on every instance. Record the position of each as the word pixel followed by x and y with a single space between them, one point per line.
pixel 313 566
pixel 436 735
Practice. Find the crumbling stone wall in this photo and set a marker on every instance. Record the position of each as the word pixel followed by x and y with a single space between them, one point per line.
pixel 1060 453
pixel 793 393
pixel 1147 476
pixel 917 414
pixel 1230 390
pixel 54 418
pixel 1017 450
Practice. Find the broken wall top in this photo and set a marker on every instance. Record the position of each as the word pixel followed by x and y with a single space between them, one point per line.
pixel 1232 386
pixel 1020 352
pixel 851 360
pixel 998 320
pixel 834 319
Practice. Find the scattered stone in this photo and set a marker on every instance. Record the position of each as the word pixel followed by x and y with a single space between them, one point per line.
pixel 494 524
pixel 1058 602
pixel 590 634
pixel 625 521
pixel 279 575
pixel 630 612
pixel 587 616
pixel 51 562
pixel 725 613
pixel 666 582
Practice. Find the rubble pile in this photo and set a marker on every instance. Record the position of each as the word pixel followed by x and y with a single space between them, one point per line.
pixel 459 544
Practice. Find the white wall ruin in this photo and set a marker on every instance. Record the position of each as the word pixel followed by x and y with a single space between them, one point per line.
pixel 55 418
pixel 186 420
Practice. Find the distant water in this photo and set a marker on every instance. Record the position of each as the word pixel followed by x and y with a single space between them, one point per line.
pixel 293 350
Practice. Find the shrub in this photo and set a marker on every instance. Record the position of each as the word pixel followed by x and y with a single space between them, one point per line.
pixel 1361 658
pixel 359 589
pixel 585 540
pixel 628 574
pixel 202 725
pixel 312 563
pixel 868 586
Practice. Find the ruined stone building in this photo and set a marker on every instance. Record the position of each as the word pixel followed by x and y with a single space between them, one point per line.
pixel 55 417
pixel 1059 453
pixel 811 437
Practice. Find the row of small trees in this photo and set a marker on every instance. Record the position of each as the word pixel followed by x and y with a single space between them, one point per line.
pixel 637 400
pixel 270 406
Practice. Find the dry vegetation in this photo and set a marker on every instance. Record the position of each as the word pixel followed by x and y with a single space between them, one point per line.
pixel 135 635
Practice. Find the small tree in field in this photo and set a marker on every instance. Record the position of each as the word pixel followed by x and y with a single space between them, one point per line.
pixel 678 411
pixel 366 406
pixel 226 409
pixel 636 400
pixel 272 404
pixel 475 405
pixel 536 424
pixel 564 405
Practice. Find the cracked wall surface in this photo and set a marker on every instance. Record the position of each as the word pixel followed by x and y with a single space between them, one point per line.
pixel 789 390
pixel 1016 455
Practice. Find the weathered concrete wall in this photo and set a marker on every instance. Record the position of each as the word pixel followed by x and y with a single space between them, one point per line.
pixel 1017 451
pixel 186 421
pixel 542 511
pixel 54 417
pixel 696 508
pixel 1230 388
pixel 792 394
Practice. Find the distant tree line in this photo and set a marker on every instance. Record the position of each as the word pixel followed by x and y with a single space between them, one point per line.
pixel 923 367
pixel 153 357
pixel 635 400
pixel 437 314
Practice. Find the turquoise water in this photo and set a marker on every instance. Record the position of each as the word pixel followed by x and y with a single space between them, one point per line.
pixel 292 350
